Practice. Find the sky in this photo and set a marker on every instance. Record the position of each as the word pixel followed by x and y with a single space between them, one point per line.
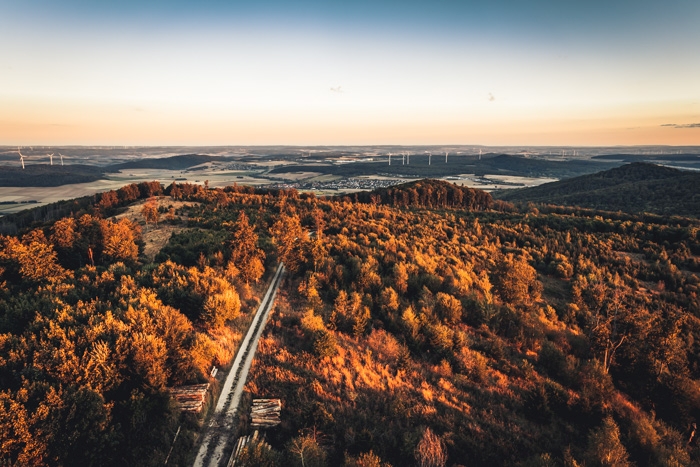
pixel 313 72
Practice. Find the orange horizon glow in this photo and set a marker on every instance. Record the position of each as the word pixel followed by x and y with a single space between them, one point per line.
pixel 352 118
pixel 261 133
pixel 440 75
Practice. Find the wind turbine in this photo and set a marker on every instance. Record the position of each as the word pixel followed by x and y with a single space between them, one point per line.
pixel 21 157
pixel 445 157
pixel 51 158
pixel 61 157
pixel 479 154
pixel 408 158
pixel 430 155
pixel 403 158
pixel 389 158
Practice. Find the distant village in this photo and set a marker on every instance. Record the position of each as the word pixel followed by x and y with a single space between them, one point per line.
pixel 342 184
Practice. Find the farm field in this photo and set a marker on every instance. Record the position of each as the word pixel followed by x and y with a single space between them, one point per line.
pixel 523 181
pixel 323 171
pixel 497 182
pixel 113 181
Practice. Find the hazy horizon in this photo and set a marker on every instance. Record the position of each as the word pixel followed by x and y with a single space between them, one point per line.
pixel 366 73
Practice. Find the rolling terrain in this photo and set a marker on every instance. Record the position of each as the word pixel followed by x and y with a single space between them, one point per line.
pixel 181 162
pixel 634 188
pixel 682 159
pixel 421 324
pixel 488 164
pixel 45 175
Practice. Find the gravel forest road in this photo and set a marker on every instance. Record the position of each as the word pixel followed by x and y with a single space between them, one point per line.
pixel 218 433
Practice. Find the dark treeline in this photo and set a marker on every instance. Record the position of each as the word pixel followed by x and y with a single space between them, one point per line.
pixel 49 175
pixel 104 204
pixel 633 188
pixel 429 194
pixel 179 162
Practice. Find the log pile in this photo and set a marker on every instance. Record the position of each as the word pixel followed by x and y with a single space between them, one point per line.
pixel 242 442
pixel 190 398
pixel 265 413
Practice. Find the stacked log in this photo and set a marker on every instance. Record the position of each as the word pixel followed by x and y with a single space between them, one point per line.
pixel 242 442
pixel 265 413
pixel 190 398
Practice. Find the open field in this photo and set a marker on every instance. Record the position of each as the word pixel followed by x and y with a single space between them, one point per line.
pixel 273 163
pixel 324 178
pixel 138 175
pixel 222 181
pixel 155 236
pixel 480 185
pixel 523 181
pixel 323 170
pixel 47 195
pixel 381 177
pixel 497 182
pixel 297 176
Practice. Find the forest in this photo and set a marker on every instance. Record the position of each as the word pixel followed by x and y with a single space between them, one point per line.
pixel 48 175
pixel 491 163
pixel 425 324
pixel 638 188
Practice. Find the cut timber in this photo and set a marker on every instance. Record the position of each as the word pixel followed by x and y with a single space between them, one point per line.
pixel 190 398
pixel 241 444
pixel 265 413
pixel 265 405
pixel 216 439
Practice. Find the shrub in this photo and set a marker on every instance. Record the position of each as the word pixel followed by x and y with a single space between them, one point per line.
pixel 325 344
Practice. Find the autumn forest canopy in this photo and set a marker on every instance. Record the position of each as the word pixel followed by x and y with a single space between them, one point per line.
pixel 424 324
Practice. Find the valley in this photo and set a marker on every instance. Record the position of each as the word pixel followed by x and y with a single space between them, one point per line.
pixel 322 170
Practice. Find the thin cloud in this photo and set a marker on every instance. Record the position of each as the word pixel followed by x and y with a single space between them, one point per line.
pixel 682 125
pixel 338 89
pixel 491 97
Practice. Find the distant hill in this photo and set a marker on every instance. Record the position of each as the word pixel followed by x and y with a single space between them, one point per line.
pixel 645 157
pixel 43 175
pixel 429 193
pixel 489 164
pixel 638 187
pixel 172 163
pixel 679 161
pixel 49 175
pixel 529 167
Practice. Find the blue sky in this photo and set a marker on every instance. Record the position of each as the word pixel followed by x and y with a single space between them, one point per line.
pixel 312 72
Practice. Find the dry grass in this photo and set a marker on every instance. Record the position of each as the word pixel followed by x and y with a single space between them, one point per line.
pixel 226 341
pixel 296 176
pixel 526 181
pixel 155 236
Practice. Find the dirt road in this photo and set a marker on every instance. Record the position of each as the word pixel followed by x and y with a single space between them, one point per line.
pixel 218 433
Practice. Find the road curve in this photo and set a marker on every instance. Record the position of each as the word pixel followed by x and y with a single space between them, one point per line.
pixel 211 451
